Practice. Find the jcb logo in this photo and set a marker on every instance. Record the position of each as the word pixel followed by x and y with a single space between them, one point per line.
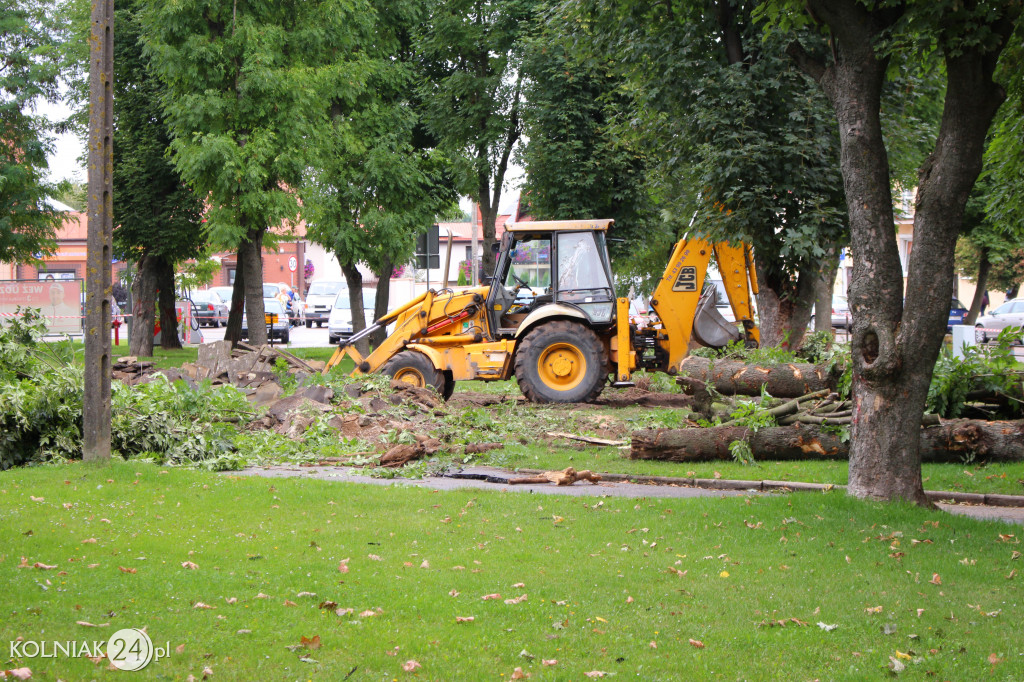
pixel 687 279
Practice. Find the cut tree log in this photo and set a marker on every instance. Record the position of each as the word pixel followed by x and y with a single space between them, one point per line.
pixel 952 441
pixel 731 377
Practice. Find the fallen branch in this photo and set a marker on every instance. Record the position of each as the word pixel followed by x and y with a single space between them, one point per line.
pixel 567 476
pixel 586 439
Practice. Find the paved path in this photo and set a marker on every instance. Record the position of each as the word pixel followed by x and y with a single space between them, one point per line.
pixel 609 488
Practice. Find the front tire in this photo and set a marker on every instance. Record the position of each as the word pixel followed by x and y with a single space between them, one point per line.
pixel 561 362
pixel 415 369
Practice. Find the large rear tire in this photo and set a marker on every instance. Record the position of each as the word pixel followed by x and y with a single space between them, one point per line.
pixel 561 362
pixel 416 369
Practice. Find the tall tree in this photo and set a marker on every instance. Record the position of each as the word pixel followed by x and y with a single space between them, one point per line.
pixel 473 91
pixel 578 164
pixel 743 146
pixel 241 102
pixel 157 217
pixel 895 343
pixel 31 64
pixel 375 181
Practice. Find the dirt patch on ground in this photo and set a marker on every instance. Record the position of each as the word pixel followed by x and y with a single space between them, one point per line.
pixel 637 396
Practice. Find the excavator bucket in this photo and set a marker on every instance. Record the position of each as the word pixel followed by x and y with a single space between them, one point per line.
pixel 709 327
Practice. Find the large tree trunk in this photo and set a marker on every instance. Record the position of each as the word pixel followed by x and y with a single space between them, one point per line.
pixel 354 280
pixel 952 441
pixel 250 256
pixel 824 288
pixel 488 216
pixel 730 377
pixel 233 332
pixel 979 292
pixel 380 306
pixel 166 299
pixel 143 308
pixel 783 306
pixel 894 349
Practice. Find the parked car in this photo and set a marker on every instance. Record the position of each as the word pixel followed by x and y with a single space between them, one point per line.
pixel 1009 314
pixel 320 301
pixel 281 326
pixel 339 324
pixel 212 311
pixel 957 313
pixel 840 313
pixel 225 294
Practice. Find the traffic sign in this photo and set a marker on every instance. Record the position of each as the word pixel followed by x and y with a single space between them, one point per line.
pixel 293 264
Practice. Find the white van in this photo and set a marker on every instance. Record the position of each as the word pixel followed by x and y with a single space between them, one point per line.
pixel 339 326
pixel 320 300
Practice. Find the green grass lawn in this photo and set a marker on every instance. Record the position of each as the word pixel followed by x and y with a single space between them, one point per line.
pixel 614 585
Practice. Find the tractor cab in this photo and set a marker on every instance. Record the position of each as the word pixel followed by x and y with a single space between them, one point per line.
pixel 551 268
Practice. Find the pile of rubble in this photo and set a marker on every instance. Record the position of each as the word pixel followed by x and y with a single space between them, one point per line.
pixel 130 371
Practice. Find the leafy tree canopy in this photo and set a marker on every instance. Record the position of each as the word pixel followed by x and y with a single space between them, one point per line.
pixel 31 64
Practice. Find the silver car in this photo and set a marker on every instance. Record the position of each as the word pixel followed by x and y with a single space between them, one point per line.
pixel 1009 314
pixel 339 324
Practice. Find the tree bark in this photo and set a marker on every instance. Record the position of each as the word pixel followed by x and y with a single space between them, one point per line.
pixel 979 292
pixel 894 349
pixel 783 307
pixel 143 308
pixel 953 441
pixel 233 332
pixel 380 306
pixel 354 280
pixel 167 298
pixel 250 255
pixel 824 288
pixel 730 377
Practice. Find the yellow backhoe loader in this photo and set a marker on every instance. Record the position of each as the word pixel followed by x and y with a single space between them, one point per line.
pixel 550 318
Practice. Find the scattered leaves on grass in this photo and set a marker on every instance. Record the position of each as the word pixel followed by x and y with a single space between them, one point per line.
pixel 826 627
pixel 180 649
pixel 127 569
pixel 453 592
pixel 231 600
pixel 596 673
pixel 289 602
pixel 328 605
pixel 367 614
pixel 491 596
pixel 549 661
pixel 374 557
pixel 89 541
pixel 411 665
pixel 343 566
pixel 696 643
pixel 189 565
pixel 17 673
pixel 873 609
pixel 464 619
pixel 994 659
pixel 518 674
pixel 305 594
pixel 87 624
pixel 201 605
pixel 262 596
pixel 936 580
pixel 310 642
pixel 37 499
pixel 516 600
pixel 344 612
pixel 629 600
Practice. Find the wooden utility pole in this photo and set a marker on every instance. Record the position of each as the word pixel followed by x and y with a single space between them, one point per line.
pixel 98 286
